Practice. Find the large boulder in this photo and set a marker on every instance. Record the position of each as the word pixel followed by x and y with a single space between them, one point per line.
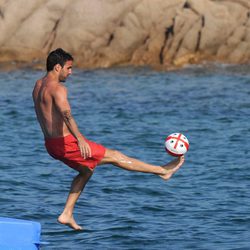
pixel 103 33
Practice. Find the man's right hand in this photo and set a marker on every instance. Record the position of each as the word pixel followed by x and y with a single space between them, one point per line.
pixel 84 148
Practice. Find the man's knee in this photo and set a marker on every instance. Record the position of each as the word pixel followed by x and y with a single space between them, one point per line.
pixel 112 156
pixel 84 172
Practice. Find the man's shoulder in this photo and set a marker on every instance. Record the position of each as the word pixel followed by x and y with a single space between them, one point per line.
pixel 59 90
pixel 60 87
pixel 54 86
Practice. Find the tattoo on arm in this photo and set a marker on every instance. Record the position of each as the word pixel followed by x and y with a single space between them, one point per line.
pixel 67 115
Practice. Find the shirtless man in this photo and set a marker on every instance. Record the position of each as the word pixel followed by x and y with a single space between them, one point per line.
pixel 64 141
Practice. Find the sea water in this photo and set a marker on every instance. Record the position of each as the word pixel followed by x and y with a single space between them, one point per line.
pixel 204 206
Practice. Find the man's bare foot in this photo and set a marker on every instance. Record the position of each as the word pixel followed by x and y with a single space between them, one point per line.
pixel 172 167
pixel 68 221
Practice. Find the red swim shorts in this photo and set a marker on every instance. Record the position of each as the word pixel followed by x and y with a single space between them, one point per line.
pixel 66 150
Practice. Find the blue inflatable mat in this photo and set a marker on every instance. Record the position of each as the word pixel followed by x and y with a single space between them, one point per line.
pixel 18 234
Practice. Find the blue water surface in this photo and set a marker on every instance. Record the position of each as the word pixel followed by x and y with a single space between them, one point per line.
pixel 204 206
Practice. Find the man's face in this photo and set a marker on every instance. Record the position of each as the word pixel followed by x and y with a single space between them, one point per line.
pixel 65 71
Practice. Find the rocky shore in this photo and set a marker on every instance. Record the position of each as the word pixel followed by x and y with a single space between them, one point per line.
pixel 104 33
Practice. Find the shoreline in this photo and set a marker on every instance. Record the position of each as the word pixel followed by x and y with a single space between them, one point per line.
pixel 40 66
pixel 161 34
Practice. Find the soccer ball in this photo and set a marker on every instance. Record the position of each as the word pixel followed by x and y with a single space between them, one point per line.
pixel 176 144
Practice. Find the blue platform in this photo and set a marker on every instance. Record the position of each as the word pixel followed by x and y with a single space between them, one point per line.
pixel 18 234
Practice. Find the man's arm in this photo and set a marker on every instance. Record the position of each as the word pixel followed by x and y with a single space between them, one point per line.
pixel 62 104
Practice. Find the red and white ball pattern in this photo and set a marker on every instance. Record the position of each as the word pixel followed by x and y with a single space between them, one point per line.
pixel 176 144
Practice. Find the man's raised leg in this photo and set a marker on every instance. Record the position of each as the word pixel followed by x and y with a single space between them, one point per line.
pixel 118 159
pixel 76 189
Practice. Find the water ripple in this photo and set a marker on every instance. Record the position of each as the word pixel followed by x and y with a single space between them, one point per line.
pixel 205 205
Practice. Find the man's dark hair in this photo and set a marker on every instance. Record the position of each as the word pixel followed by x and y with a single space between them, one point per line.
pixel 58 56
